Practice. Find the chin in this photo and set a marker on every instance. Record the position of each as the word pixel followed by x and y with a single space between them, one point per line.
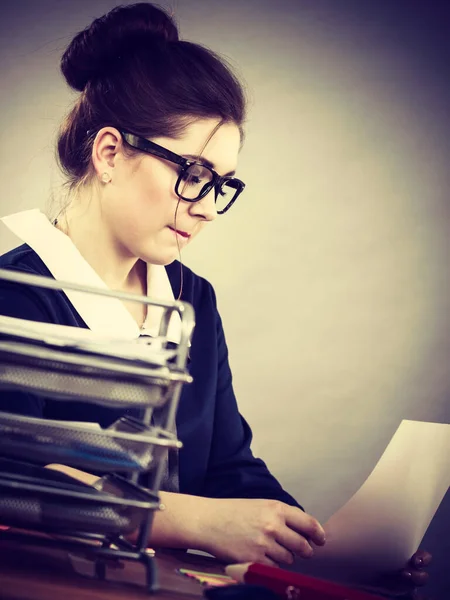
pixel 161 259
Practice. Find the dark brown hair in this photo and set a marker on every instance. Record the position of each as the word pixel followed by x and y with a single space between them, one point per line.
pixel 135 74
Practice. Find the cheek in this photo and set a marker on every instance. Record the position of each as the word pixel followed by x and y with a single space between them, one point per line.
pixel 146 198
pixel 154 190
pixel 142 199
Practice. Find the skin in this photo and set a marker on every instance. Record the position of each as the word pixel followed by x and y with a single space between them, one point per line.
pixel 117 227
pixel 129 218
pixel 120 225
pixel 123 224
pixel 213 525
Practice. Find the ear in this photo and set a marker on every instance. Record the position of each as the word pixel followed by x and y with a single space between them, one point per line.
pixel 107 145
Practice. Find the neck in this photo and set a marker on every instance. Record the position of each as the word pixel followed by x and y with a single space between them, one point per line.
pixel 83 223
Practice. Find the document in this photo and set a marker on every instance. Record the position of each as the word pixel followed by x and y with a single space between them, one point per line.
pixel 145 349
pixel 381 526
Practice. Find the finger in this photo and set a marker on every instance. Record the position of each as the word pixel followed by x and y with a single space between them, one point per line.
pixel 268 561
pixel 75 473
pixel 305 524
pixel 420 559
pixel 415 578
pixel 294 542
pixel 279 553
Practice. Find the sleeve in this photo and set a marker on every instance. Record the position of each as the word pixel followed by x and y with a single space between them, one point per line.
pixel 20 302
pixel 233 471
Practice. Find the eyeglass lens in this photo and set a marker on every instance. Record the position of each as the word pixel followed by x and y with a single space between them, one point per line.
pixel 196 177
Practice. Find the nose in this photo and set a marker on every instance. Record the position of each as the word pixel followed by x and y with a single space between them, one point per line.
pixel 206 207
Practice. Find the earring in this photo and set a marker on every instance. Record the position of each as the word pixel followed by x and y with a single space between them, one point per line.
pixel 106 177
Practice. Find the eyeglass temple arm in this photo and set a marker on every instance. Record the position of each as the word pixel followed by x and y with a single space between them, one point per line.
pixel 153 148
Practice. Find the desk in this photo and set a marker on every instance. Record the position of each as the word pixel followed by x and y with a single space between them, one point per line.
pixel 32 573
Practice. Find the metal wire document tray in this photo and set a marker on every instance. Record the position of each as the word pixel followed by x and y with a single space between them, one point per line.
pixel 127 445
pixel 74 364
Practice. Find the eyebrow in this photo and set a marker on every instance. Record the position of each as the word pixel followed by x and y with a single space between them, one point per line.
pixel 207 163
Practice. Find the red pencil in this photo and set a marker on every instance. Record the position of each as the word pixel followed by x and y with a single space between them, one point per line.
pixel 293 586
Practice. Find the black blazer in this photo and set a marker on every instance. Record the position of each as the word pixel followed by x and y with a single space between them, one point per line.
pixel 216 460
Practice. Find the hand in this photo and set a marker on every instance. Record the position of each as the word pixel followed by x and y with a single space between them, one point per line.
pixel 75 473
pixel 403 583
pixel 415 575
pixel 265 531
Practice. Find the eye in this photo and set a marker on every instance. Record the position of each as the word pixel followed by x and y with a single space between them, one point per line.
pixel 192 179
pixel 196 174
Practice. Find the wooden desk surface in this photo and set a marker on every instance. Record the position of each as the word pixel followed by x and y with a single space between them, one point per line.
pixel 32 573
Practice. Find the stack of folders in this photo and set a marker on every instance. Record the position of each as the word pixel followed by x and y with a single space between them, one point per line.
pixel 71 364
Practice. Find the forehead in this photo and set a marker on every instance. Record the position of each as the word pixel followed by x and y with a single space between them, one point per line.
pixel 222 149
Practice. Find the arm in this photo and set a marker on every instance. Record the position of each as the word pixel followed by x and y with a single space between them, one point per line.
pixel 243 513
pixel 237 529
pixel 233 529
pixel 233 471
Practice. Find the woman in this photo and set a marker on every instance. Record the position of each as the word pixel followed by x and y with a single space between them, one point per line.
pixel 150 149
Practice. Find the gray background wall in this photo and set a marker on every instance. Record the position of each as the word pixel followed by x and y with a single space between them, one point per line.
pixel 332 270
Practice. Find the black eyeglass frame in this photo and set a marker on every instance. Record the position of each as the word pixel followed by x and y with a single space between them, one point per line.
pixel 140 143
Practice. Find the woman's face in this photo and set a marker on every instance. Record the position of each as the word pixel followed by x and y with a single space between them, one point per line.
pixel 138 205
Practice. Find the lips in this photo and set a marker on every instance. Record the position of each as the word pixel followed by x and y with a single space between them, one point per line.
pixel 182 233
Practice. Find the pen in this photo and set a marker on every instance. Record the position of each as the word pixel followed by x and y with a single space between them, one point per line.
pixel 293 586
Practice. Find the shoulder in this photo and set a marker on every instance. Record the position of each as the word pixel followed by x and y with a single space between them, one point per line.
pixel 23 258
pixel 26 302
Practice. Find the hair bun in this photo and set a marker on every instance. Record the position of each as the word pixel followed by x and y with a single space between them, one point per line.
pixel 91 50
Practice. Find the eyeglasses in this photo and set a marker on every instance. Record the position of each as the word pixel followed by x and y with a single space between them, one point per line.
pixel 195 179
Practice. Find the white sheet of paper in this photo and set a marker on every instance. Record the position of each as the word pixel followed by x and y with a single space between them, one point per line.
pixel 382 525
pixel 143 349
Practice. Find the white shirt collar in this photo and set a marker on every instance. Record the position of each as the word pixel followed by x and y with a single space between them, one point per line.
pixel 64 261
